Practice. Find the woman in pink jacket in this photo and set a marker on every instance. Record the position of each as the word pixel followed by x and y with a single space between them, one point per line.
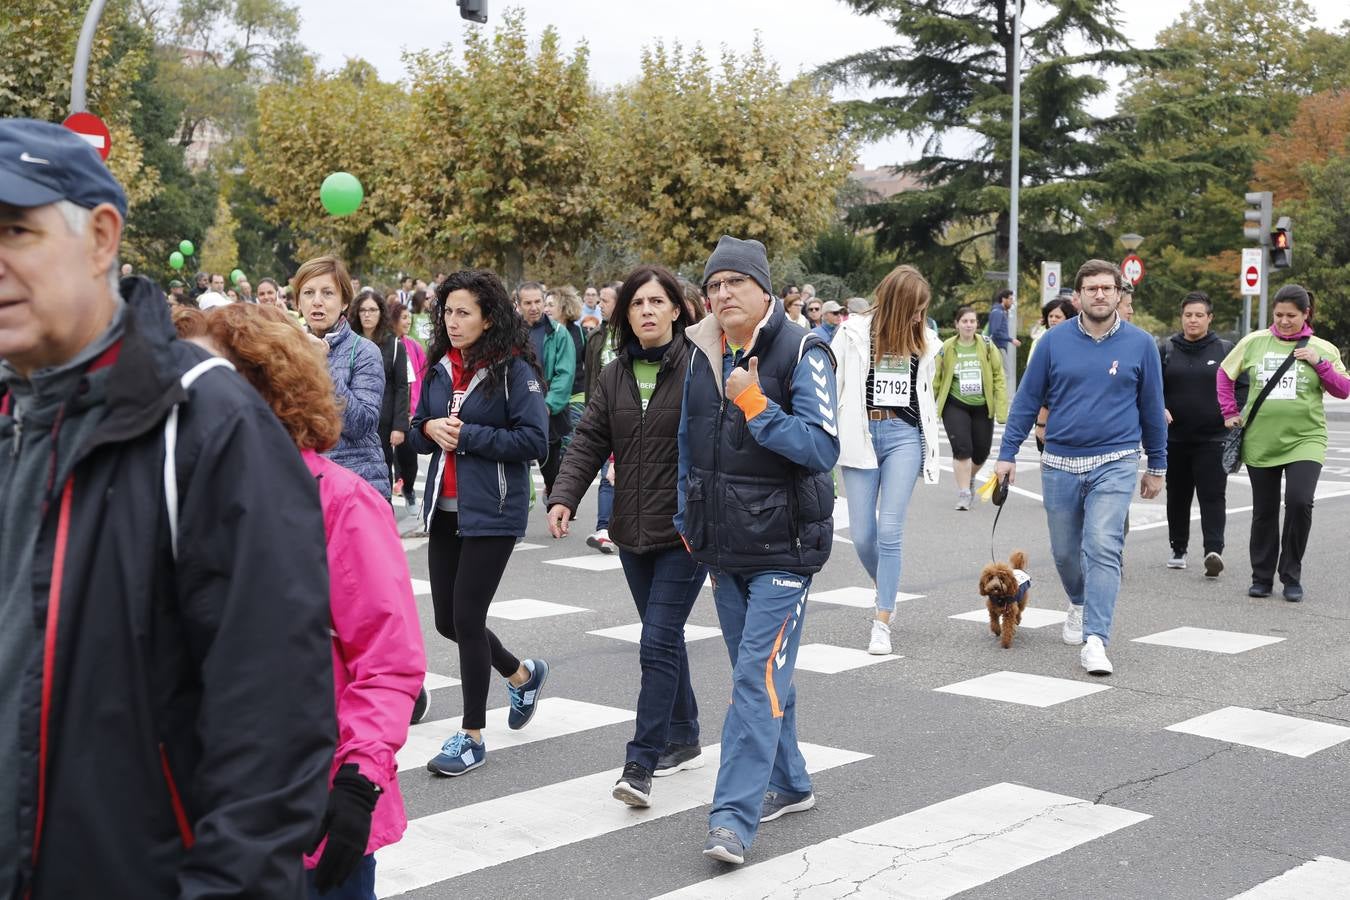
pixel 378 658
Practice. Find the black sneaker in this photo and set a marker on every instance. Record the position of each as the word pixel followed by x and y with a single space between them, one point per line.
pixel 1293 593
pixel 1258 590
pixel 677 758
pixel 1213 564
pixel 421 706
pixel 410 498
pixel 634 786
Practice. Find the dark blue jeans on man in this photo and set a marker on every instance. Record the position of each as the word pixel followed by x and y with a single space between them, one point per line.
pixel 665 584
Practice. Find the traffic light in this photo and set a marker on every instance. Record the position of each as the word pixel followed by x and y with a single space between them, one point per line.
pixel 473 10
pixel 1282 244
pixel 1258 219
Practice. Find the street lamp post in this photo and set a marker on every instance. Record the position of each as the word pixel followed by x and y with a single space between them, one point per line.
pixel 79 76
pixel 1014 187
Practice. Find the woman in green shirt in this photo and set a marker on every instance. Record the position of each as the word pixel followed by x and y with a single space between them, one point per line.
pixel 1288 436
pixel 971 395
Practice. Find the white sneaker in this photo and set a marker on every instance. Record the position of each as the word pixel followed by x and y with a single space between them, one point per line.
pixel 1073 625
pixel 600 541
pixel 963 500
pixel 1093 657
pixel 880 645
pixel 1177 561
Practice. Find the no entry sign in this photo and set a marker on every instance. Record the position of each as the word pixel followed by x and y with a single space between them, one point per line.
pixel 1132 267
pixel 91 128
pixel 1250 273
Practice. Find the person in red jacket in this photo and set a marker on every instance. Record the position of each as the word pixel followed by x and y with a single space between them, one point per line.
pixel 378 658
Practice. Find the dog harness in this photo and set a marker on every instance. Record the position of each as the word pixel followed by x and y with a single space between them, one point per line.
pixel 1023 585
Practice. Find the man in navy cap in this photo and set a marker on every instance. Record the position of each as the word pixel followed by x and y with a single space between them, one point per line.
pixel 756 505
pixel 161 575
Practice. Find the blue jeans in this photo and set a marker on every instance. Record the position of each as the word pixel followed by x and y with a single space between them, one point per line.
pixel 761 617
pixel 1086 514
pixel 877 501
pixel 359 886
pixel 665 584
pixel 605 499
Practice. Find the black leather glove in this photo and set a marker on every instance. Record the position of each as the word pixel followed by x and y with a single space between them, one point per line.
pixel 346 824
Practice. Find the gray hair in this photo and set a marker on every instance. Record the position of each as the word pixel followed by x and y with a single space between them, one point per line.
pixel 77 221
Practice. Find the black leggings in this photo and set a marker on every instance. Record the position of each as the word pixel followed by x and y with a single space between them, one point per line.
pixel 1195 470
pixel 460 595
pixel 405 458
pixel 970 431
pixel 1274 550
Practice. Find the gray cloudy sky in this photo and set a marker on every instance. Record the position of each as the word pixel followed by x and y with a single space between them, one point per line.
pixel 798 34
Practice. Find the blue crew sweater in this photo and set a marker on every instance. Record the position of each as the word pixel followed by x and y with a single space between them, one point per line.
pixel 1103 397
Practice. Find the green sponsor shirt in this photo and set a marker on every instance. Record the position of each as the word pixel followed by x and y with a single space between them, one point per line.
pixel 1291 426
pixel 967 378
pixel 645 373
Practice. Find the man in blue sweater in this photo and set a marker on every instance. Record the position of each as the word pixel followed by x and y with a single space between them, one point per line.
pixel 1101 380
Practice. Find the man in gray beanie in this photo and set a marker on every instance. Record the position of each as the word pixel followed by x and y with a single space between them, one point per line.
pixel 756 505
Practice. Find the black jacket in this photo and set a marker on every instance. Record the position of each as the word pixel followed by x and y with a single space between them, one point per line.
pixel 187 711
pixel 394 412
pixel 1189 391
pixel 595 345
pixel 645 446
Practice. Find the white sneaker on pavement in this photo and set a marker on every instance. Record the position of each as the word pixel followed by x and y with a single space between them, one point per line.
pixel 600 541
pixel 1093 657
pixel 1073 625
pixel 1177 561
pixel 880 645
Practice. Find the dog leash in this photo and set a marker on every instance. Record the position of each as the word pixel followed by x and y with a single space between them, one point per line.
pixel 999 497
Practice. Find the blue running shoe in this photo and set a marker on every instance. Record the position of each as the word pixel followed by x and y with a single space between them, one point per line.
pixel 458 755
pixel 779 803
pixel 724 846
pixel 525 699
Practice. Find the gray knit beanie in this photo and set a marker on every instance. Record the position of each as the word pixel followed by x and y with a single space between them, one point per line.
pixel 747 257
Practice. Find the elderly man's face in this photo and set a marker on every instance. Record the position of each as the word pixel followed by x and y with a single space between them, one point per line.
pixel 54 293
pixel 532 305
pixel 737 300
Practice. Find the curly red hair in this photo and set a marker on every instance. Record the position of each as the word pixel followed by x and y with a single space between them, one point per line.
pixel 268 348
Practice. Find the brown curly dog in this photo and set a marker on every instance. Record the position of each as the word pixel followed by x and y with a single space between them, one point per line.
pixel 1005 588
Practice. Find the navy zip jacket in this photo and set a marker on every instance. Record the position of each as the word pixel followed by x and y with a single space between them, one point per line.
pixel 505 428
pixel 1188 387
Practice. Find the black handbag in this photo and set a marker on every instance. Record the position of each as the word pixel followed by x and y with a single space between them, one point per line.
pixel 1232 442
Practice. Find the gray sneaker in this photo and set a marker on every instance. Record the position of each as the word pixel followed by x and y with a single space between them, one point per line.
pixel 963 500
pixel 724 846
pixel 779 803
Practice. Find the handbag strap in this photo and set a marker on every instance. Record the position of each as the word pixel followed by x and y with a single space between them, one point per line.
pixel 1272 381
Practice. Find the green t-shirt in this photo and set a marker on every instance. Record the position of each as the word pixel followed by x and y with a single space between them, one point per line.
pixel 967 376
pixel 645 373
pixel 1291 426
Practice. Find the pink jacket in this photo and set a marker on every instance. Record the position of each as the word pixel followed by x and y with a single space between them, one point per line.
pixel 417 357
pixel 379 662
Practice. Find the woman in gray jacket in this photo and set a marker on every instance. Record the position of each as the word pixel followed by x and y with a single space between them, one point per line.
pixel 323 295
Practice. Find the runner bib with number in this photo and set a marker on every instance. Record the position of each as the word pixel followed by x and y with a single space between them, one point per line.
pixel 1287 387
pixel 892 382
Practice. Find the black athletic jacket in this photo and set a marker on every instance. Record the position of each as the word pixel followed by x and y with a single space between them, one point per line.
pixel 177 720
pixel 1189 389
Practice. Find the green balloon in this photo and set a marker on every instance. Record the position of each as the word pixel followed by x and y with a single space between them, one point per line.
pixel 186 248
pixel 176 260
pixel 236 275
pixel 341 194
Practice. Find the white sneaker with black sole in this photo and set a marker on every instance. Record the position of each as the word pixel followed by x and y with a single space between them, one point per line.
pixel 1073 626
pixel 1177 561
pixel 1093 657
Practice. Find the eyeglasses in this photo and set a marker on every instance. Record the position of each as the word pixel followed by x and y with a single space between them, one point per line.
pixel 1106 290
pixel 813 308
pixel 732 283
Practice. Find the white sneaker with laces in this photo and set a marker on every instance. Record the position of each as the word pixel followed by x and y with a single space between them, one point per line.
pixel 1073 626
pixel 1093 657
pixel 880 645
pixel 600 541
pixel 1177 561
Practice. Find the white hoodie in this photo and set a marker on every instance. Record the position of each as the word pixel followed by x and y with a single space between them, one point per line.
pixel 852 346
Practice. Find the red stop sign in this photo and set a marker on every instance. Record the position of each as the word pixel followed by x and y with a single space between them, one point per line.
pixel 92 129
pixel 1252 276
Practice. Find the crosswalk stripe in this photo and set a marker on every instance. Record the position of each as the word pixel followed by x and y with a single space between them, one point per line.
pixel 1323 878
pixel 934 852
pixel 459 841
pixel 556 717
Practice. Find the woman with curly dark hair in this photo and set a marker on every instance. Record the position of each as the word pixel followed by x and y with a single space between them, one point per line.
pixel 378 658
pixel 482 417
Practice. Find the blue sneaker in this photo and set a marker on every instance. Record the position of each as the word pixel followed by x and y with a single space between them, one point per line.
pixel 525 699
pixel 724 846
pixel 458 755
pixel 779 803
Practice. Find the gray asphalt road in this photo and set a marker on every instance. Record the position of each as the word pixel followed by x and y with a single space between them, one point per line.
pixel 1105 801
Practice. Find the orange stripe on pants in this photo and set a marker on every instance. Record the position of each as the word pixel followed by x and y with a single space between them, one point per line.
pixel 768 670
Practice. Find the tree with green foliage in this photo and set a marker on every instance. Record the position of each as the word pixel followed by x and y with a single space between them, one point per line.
pixel 740 152
pixel 499 167
pixel 950 78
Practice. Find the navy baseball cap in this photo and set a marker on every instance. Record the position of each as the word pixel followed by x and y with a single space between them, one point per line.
pixel 42 162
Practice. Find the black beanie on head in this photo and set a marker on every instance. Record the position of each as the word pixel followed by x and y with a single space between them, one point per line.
pixel 747 257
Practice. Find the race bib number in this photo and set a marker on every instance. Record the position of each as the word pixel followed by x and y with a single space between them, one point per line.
pixel 969 381
pixel 1287 387
pixel 891 384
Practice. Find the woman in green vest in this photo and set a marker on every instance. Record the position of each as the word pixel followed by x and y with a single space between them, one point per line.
pixel 971 395
pixel 1288 435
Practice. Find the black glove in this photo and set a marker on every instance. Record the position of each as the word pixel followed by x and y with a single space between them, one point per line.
pixel 346 824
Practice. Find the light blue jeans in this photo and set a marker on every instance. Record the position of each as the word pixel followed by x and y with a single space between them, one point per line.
pixel 877 501
pixel 1086 514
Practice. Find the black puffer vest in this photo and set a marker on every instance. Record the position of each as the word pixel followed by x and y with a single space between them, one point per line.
pixel 748 509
